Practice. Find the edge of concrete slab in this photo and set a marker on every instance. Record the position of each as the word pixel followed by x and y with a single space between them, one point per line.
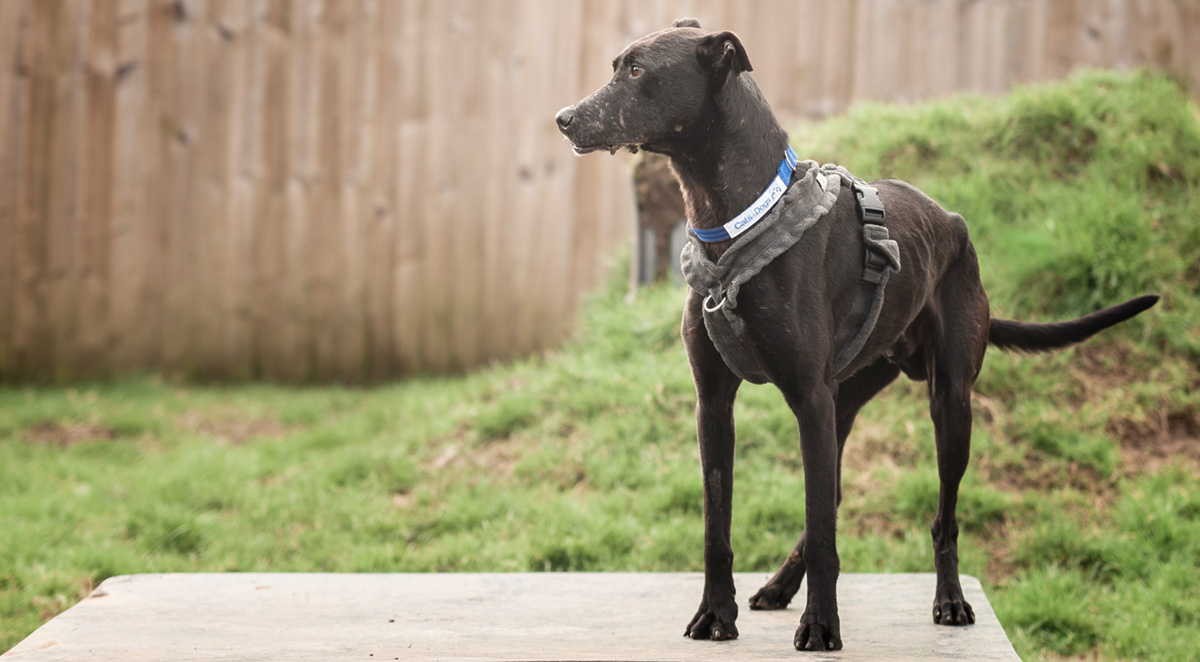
pixel 466 616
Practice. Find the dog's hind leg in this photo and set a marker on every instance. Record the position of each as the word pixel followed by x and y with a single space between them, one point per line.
pixel 950 404
pixel 952 366
pixel 852 395
pixel 716 388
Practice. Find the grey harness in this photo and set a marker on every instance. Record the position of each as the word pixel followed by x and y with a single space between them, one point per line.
pixel 807 199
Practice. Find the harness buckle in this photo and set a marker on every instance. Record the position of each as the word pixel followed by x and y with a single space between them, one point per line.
pixel 870 207
pixel 714 309
pixel 876 260
pixel 875 264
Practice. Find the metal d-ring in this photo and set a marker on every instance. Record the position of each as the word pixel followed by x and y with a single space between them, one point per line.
pixel 715 308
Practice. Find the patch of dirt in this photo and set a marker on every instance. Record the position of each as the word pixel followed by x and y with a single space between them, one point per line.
pixel 1041 474
pixel 231 428
pixel 497 458
pixel 404 500
pixel 871 445
pixel 458 455
pixel 857 520
pixel 450 453
pixel 1163 438
pixel 58 433
pixel 1101 369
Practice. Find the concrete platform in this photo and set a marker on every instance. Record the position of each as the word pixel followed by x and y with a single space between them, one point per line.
pixel 426 617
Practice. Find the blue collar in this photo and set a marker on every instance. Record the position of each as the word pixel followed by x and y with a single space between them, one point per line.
pixel 758 208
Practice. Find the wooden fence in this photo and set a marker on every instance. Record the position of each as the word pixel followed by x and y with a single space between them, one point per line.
pixel 362 189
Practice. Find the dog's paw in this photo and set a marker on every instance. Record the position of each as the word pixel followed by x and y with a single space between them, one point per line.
pixel 707 624
pixel 816 634
pixel 953 611
pixel 772 596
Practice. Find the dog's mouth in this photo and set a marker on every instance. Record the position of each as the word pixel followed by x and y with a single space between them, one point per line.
pixel 580 150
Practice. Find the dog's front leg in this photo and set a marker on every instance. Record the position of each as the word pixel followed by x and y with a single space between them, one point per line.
pixel 813 405
pixel 718 610
pixel 852 394
pixel 716 388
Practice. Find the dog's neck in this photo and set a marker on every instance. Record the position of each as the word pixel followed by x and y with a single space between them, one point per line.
pixel 726 164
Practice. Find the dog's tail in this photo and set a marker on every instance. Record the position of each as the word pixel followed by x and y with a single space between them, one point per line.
pixel 1011 335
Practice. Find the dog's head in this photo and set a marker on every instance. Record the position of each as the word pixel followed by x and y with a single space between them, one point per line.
pixel 663 85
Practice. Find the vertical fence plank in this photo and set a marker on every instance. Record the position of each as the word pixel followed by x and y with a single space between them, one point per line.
pixel 48 201
pixel 324 248
pixel 1115 34
pixel 155 172
pixel 65 188
pixel 458 197
pixel 257 321
pixel 943 56
pixel 596 225
pixel 437 196
pixel 1188 64
pixel 1018 42
pixel 291 358
pixel 205 217
pixel 248 172
pixel 843 61
pixel 1039 21
pixel 554 236
pixel 1060 44
pixel 409 304
pixel 352 121
pixel 182 336
pixel 14 77
pixel 804 91
pixel 498 66
pixel 535 259
pixel 95 213
pixel 206 99
pixel 226 36
pixel 380 204
pixel 128 246
pixel 911 52
pixel 518 240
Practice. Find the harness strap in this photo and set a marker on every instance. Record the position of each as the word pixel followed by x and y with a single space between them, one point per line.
pixel 881 257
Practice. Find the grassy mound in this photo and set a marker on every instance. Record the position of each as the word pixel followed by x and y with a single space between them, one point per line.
pixel 1081 509
pixel 1078 195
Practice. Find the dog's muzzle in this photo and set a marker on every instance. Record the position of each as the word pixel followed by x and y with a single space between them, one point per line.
pixel 563 119
pixel 580 132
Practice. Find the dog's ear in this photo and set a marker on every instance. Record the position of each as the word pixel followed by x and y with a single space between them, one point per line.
pixel 686 23
pixel 722 52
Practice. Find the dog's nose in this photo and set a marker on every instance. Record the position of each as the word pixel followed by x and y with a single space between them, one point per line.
pixel 564 117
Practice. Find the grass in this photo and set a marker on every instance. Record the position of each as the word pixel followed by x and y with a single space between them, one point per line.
pixel 1080 512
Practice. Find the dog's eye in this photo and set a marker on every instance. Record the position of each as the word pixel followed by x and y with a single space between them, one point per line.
pixel 635 71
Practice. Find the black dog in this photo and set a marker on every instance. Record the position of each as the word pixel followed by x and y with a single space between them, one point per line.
pixel 685 93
